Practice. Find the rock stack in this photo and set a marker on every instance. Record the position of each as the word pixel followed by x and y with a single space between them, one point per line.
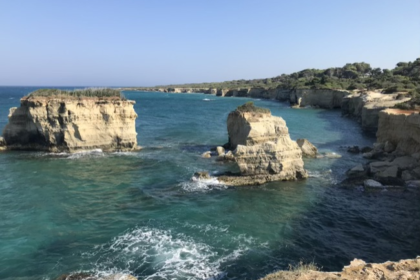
pixel 262 148
pixel 71 124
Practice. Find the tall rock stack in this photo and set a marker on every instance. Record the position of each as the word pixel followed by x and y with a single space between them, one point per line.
pixel 262 147
pixel 70 124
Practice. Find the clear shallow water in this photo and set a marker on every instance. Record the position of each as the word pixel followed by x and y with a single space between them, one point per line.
pixel 139 213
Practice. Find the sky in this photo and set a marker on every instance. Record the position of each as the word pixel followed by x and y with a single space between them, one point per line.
pixel 159 42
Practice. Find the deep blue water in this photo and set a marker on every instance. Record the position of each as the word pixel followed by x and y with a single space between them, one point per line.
pixel 139 213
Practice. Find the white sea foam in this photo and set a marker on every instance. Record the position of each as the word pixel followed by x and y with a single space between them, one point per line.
pixel 206 99
pixel 202 185
pixel 163 254
pixel 88 153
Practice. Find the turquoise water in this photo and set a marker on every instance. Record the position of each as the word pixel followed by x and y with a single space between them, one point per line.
pixel 139 213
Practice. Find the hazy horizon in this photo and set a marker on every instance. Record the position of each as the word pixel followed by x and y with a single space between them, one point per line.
pixel 145 43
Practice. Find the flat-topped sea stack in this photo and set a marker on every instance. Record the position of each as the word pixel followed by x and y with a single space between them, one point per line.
pixel 262 148
pixel 70 121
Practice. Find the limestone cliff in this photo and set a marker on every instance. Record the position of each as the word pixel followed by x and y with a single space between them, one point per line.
pixel 263 149
pixel 401 128
pixel 365 107
pixel 323 98
pixel 71 124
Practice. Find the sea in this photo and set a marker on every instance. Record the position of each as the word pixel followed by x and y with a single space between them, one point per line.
pixel 140 212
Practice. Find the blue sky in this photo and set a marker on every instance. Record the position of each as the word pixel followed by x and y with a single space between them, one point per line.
pixel 156 42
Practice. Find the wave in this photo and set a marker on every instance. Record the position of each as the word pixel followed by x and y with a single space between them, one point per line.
pixel 206 99
pixel 162 254
pixel 202 185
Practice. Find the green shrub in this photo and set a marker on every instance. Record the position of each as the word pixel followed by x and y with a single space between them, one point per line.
pixel 249 107
pixel 89 92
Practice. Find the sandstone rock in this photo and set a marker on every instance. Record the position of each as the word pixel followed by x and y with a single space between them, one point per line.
pixel 206 154
pixel 405 162
pixel 391 171
pixel 369 183
pixel 378 166
pixel 220 150
pixel 357 270
pixel 72 124
pixel 229 156
pixel 2 144
pixel 356 171
pixel 307 148
pixel 202 175
pixel 353 149
pixel 322 98
pixel 401 127
pixel 263 149
pixel 388 147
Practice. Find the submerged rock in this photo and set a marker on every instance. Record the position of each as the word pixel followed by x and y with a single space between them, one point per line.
pixel 70 124
pixel 2 144
pixel 220 150
pixel 206 154
pixel 263 149
pixel 202 175
pixel 369 183
pixel 307 148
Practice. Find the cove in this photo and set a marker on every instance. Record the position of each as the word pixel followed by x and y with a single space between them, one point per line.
pixel 139 213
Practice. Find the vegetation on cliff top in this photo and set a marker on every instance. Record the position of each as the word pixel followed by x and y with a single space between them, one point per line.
pixel 405 77
pixel 88 92
pixel 249 107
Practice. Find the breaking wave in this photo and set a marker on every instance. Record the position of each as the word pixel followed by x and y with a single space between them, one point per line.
pixel 153 253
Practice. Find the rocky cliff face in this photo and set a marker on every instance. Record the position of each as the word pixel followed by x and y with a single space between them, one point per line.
pixel 365 107
pixel 72 124
pixel 263 149
pixel 401 128
pixel 323 98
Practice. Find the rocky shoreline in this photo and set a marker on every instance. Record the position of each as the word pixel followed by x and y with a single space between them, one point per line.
pixel 395 128
pixel 357 270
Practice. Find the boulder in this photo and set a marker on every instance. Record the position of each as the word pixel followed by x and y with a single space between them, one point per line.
pixel 2 144
pixel 405 162
pixel 206 154
pixel 369 183
pixel 220 151
pixel 391 171
pixel 356 171
pixel 202 175
pixel 378 166
pixel 229 156
pixel 307 148
pixel 407 176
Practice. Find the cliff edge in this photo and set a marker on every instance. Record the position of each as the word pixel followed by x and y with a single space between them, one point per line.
pixel 69 122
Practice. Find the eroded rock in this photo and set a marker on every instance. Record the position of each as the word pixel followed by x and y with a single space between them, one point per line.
pixel 70 124
pixel 307 148
pixel 263 149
